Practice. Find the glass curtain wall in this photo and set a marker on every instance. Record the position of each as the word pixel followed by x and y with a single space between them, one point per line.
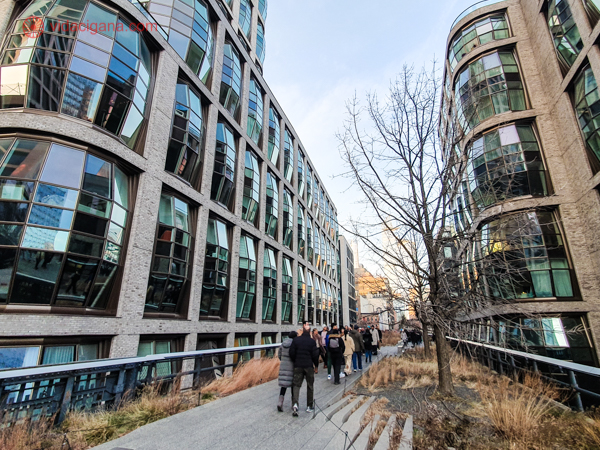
pixel 215 284
pixel 251 198
pixel 269 285
pixel 246 278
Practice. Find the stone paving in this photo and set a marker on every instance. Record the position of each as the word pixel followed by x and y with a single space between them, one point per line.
pixel 249 420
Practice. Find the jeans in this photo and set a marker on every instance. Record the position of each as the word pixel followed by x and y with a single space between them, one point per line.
pixel 357 360
pixel 299 374
pixel 368 356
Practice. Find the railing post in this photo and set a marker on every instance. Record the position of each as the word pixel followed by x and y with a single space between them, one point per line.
pixel 573 382
pixel 500 363
pixel 535 367
pixel 515 375
pixel 197 371
pixel 66 401
pixel 120 386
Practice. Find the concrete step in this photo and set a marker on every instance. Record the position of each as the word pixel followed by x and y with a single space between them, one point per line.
pixel 352 426
pixel 383 443
pixel 331 410
pixel 407 435
pixel 362 441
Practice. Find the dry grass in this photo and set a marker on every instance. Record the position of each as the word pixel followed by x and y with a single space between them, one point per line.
pixel 591 431
pixel 377 408
pixel 28 435
pixel 390 338
pixel 251 373
pixel 390 370
pixel 517 411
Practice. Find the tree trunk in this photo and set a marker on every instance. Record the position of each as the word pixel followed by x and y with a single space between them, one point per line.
pixel 443 359
pixel 426 343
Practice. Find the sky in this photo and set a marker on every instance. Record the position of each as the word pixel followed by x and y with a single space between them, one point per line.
pixel 319 53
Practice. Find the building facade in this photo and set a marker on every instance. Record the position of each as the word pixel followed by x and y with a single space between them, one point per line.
pixel 348 283
pixel 520 87
pixel 154 197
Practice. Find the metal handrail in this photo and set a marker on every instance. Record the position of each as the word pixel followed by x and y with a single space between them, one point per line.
pixel 472 8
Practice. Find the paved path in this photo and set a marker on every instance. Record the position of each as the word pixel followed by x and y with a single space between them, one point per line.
pixel 246 420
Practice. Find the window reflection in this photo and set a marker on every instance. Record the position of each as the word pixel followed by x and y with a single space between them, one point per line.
pixel 287 282
pixel 246 278
pixel 231 79
pixel 565 33
pixel 251 196
pixel 272 206
pixel 288 219
pixel 274 136
pixel 215 284
pixel 223 182
pixel 255 112
pixel 269 284
pixel 587 102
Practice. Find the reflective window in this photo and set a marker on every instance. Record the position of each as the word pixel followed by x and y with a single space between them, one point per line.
pixel 301 294
pixel 587 105
pixel 215 285
pixel 245 17
pixel 288 156
pixel 526 257
pixel 322 206
pixel 262 8
pixel 251 188
pixel 231 80
pixel 272 206
pixel 287 283
pixel 29 356
pixel 309 188
pixel 506 163
pixel 300 173
pixel 309 239
pixel 190 31
pixel 269 285
pixel 246 293
pixel 288 219
pixel 185 152
pixel 301 231
pixel 315 204
pixel 592 7
pixel 63 215
pixel 310 296
pixel 147 348
pixel 317 246
pixel 565 33
pixel 490 85
pixel 255 112
pixel 318 303
pixel 223 182
pixel 479 33
pixel 170 266
pixel 274 136
pixel 260 42
pixel 100 73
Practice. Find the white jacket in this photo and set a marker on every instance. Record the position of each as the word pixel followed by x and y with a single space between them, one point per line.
pixel 375 335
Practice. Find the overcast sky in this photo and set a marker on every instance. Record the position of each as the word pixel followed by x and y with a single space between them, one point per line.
pixel 319 52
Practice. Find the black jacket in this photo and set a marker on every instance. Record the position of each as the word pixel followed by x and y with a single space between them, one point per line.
pixel 368 340
pixel 304 351
pixel 336 352
pixel 359 345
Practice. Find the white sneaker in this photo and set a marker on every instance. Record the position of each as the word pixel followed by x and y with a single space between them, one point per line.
pixel 295 410
pixel 342 375
pixel 355 370
pixel 329 377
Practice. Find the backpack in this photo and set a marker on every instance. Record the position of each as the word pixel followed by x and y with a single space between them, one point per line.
pixel 334 343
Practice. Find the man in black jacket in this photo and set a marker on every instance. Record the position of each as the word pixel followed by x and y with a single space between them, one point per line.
pixel 305 355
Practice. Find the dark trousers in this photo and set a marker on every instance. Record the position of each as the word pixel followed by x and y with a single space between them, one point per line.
pixel 336 360
pixel 299 374
pixel 282 391
pixel 357 360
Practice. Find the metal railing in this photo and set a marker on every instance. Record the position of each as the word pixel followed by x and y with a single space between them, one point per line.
pixel 472 8
pixel 46 391
pixel 583 381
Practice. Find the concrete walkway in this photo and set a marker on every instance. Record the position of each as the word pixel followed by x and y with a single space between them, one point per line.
pixel 246 420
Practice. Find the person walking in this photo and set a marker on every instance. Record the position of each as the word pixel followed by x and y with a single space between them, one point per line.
pixel 348 352
pixel 380 334
pixel 317 338
pixel 305 356
pixel 375 340
pixel 286 368
pixel 323 336
pixel 336 352
pixel 368 341
pixel 359 347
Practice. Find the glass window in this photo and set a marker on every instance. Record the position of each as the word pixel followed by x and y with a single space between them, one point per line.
pixel 255 112
pixel 272 206
pixel 274 136
pixel 215 285
pixel 301 294
pixel 63 255
pixel 245 17
pixel 287 282
pixel 170 266
pixel 301 231
pixel 231 79
pixel 300 173
pixel 288 219
pixel 260 42
pixel 262 8
pixel 17 357
pixel 223 182
pixel 185 152
pixel 489 86
pixel 269 285
pixel 587 106
pixel 288 156
pixel 491 28
pixel 251 196
pixel 246 293
pixel 565 33
pixel 505 163
pixel 309 239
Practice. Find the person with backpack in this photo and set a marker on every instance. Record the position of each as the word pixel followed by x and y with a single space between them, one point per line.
pixel 348 351
pixel 286 369
pixel 336 350
pixel 305 355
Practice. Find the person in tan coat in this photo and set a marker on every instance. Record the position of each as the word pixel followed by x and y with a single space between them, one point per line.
pixel 348 352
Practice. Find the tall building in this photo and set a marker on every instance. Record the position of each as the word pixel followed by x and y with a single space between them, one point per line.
pixel 348 283
pixel 521 86
pixel 154 197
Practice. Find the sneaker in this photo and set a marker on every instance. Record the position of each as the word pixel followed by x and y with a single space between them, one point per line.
pixel 295 410
pixel 355 370
pixel 329 377
pixel 310 409
pixel 342 375
pixel 337 382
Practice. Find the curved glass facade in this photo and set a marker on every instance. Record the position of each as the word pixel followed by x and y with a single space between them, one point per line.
pixel 309 239
pixel 490 85
pixel 260 42
pixel 287 284
pixel 215 285
pixel 587 106
pixel 506 163
pixel 223 181
pixel 269 285
pixel 231 79
pixel 255 112
pixel 251 188
pixel 565 33
pixel 492 28
pixel 288 156
pixel 300 173
pixel 288 219
pixel 63 216
pixel 301 231
pixel 274 136
pixel 185 152
pixel 262 8
pixel 188 24
pixel 525 257
pixel 170 270
pixel 301 294
pixel 246 292
pixel 245 17
pixel 101 74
